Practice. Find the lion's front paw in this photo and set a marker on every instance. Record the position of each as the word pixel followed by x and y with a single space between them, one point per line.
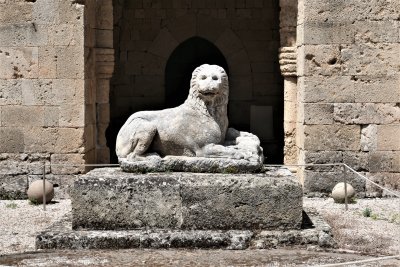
pixel 146 157
pixel 241 155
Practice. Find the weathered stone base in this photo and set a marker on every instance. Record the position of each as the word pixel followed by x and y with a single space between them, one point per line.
pixel 110 199
pixel 155 163
pixel 61 236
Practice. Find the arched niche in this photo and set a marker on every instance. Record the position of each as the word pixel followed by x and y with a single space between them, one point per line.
pixel 183 60
pixel 145 43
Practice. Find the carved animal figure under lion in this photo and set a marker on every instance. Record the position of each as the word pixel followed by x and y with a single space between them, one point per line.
pixel 197 128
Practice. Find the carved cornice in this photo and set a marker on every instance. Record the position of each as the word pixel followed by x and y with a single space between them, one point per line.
pixel 288 60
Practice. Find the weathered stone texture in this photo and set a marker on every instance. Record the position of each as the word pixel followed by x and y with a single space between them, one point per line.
pixel 38 92
pixel 287 61
pixel 12 140
pixel 41 44
pixel 345 11
pixel 348 59
pixel 333 89
pixel 23 163
pixel 61 236
pixel 66 34
pixel 384 161
pixel 23 34
pixel 384 89
pixel 45 12
pixel 18 170
pixel 332 137
pixel 388 137
pixel 326 33
pixel 13 187
pixel 71 160
pixel 356 160
pixel 370 59
pixel 318 113
pixel 8 12
pixel 70 62
pixel 22 116
pixel 186 201
pixel 18 62
pixel 72 115
pixel 10 92
pixel 321 183
pixel 47 62
pixel 342 32
pixel 38 139
pixel 371 31
pixel 290 118
pixel 388 180
pixel 369 137
pixel 369 113
pixel 319 60
pixel 236 199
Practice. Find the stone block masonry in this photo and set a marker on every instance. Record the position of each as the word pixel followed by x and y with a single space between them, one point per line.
pixel 57 58
pixel 109 199
pixel 43 84
pixel 349 92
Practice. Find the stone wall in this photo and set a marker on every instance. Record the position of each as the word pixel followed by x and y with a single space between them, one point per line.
pixel 341 105
pixel 349 90
pixel 103 15
pixel 43 95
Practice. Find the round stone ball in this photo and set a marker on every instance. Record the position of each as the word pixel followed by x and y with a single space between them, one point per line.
pixel 338 193
pixel 35 191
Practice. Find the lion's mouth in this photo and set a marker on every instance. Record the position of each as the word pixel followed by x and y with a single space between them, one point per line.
pixel 208 93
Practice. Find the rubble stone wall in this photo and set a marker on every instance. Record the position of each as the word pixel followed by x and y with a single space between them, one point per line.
pixel 349 90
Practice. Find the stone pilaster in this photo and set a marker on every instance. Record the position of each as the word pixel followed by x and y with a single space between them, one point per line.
pixel 287 61
pixel 288 66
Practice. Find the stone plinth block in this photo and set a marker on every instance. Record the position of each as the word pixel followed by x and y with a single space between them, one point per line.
pixel 111 199
pixel 155 163
pixel 314 231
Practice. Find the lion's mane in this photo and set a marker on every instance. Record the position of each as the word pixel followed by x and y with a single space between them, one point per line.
pixel 218 107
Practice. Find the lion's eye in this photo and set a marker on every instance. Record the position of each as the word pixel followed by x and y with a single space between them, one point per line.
pixel 203 77
pixel 214 77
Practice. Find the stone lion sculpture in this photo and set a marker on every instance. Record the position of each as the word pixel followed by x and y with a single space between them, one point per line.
pixel 197 128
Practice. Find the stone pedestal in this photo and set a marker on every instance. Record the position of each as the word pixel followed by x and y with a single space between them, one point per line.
pixel 109 199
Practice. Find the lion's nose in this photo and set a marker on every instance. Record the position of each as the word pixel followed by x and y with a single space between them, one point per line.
pixel 213 88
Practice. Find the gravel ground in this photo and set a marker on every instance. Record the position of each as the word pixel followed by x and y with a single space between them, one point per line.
pixel 378 234
pixel 20 221
pixel 189 258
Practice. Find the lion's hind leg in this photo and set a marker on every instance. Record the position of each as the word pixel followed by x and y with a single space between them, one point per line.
pixel 136 139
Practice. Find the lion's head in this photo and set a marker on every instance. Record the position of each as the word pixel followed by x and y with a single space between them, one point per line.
pixel 210 84
pixel 209 90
